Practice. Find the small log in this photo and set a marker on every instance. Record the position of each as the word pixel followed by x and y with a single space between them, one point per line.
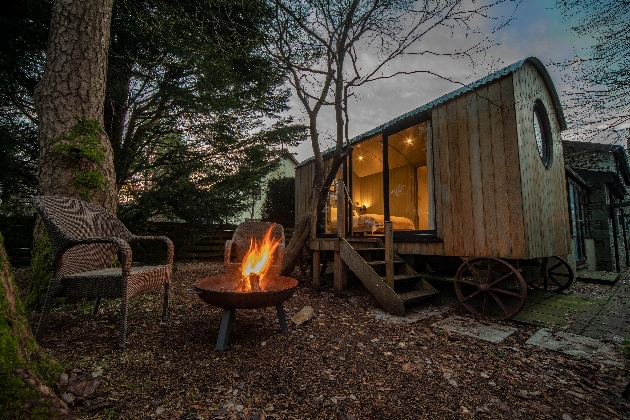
pixel 254 282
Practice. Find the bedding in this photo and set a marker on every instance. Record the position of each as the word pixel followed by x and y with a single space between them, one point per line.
pixel 373 223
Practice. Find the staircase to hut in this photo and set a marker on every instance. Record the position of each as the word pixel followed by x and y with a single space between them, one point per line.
pixel 395 290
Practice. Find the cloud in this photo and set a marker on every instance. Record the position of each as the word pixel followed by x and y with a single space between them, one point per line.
pixel 535 30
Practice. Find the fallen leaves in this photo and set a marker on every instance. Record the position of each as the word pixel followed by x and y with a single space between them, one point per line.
pixel 341 364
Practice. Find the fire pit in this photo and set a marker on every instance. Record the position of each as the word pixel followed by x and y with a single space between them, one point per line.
pixel 254 282
pixel 218 291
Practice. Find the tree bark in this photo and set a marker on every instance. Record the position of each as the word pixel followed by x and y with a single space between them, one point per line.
pixel 72 90
pixel 22 365
pixel 75 156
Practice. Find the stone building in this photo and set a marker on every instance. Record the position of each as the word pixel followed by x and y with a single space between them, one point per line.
pixel 598 181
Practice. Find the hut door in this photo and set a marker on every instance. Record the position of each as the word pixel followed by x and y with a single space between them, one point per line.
pixel 578 213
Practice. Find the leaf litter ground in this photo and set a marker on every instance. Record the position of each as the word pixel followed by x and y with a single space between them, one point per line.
pixel 342 364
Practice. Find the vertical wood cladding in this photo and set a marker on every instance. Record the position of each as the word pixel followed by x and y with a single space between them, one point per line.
pixel 496 196
pixel 303 189
pixel 479 174
pixel 546 223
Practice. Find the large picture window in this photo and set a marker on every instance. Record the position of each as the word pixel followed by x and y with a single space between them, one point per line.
pixel 405 189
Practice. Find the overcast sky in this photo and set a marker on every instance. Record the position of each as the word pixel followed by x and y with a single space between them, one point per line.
pixel 537 29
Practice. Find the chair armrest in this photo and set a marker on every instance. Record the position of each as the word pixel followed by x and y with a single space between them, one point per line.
pixel 123 246
pixel 227 252
pixel 170 248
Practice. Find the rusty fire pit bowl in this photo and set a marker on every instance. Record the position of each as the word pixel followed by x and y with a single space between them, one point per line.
pixel 217 291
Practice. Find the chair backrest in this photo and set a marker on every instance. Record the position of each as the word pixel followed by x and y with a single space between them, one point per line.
pixel 241 239
pixel 68 219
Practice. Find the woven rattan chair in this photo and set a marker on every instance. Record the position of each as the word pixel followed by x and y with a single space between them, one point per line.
pixel 85 241
pixel 236 249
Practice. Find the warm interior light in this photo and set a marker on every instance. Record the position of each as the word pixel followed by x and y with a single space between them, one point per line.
pixel 408 141
pixel 360 157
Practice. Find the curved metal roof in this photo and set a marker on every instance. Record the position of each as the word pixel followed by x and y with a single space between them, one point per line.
pixel 468 88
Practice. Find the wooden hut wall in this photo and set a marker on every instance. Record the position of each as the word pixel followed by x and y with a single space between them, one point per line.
pixel 303 188
pixel 478 205
pixel 546 223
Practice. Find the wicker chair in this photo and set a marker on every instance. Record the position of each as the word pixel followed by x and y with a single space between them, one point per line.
pixel 85 241
pixel 236 249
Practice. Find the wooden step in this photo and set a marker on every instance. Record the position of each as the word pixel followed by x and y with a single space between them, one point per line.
pixel 416 295
pixel 373 263
pixel 364 240
pixel 369 249
pixel 403 277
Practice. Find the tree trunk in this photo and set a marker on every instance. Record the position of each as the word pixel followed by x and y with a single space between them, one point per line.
pixel 75 156
pixel 301 235
pixel 22 364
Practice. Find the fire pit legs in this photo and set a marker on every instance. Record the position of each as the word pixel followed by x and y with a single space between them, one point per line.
pixel 282 318
pixel 227 319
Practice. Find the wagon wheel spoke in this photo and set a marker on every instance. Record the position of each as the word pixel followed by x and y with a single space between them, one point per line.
pixel 474 271
pixel 555 281
pixel 500 303
pixel 470 296
pixel 500 279
pixel 560 264
pixel 468 282
pixel 506 292
pixel 560 274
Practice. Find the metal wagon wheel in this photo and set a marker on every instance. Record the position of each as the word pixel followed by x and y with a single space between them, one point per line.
pixel 490 287
pixel 555 275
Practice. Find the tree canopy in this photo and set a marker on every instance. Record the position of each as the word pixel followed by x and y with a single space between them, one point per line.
pixel 189 98
pixel 598 105
pixel 22 45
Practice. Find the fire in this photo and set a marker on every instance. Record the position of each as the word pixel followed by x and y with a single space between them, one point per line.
pixel 257 262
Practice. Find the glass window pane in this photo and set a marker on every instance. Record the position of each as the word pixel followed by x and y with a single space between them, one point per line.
pixel 367 186
pixel 409 179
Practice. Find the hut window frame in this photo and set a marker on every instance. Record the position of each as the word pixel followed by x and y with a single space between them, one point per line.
pixel 542 133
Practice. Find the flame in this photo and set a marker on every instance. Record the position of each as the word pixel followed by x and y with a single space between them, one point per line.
pixel 258 259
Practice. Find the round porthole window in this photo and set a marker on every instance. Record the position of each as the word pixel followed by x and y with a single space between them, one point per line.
pixel 541 131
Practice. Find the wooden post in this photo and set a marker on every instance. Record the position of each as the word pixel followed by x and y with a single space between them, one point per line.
pixel 315 269
pixel 316 253
pixel 430 175
pixel 314 214
pixel 389 253
pixel 341 269
pixel 341 208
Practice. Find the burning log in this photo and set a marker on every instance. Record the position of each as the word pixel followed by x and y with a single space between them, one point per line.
pixel 249 283
pixel 254 283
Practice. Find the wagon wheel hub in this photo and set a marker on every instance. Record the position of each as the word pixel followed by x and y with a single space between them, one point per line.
pixel 484 288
